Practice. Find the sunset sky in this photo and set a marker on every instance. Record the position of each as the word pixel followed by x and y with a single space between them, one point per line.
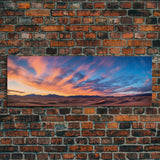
pixel 79 75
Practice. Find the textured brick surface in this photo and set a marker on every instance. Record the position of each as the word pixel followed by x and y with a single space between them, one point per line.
pixel 84 27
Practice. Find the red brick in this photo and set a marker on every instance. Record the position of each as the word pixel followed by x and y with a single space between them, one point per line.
pixel 106 148
pixel 138 43
pixel 88 42
pixel 18 141
pixel 89 110
pixel 127 50
pixel 8 148
pixel 52 111
pixel 151 5
pixel 62 20
pixel 52 35
pixel 112 125
pixel 24 5
pixel 140 50
pixel 56 141
pixel 68 156
pixel 52 118
pixel 74 125
pixel 119 156
pixel 52 28
pixel 49 5
pixel 37 20
pixel 117 133
pixel 127 35
pixel 42 133
pixel 156 73
pixel 63 51
pixel 81 156
pixel 62 43
pixel 85 148
pixel 114 13
pixel 152 148
pixel 6 28
pixel 75 20
pixel 17 133
pixel 115 35
pixel 99 5
pixel 114 50
pixel 150 28
pixel 150 118
pixel 90 35
pixel 87 125
pixel 138 20
pixel 63 13
pixel 106 155
pixel 102 28
pixel 88 13
pixel 99 125
pixel 21 125
pixel 37 13
pixel 76 118
pixel 11 13
pixel 77 28
pixel 125 5
pixel 48 125
pixel 27 28
pixel 150 125
pixel 76 50
pixel 126 118
pixel 68 133
pixel 88 20
pixel 156 13
pixel 138 125
pixel 42 156
pixel 31 148
pixel 156 88
pixel 61 5
pixel 55 156
pixel 114 42
pixel 94 133
pixel 6 140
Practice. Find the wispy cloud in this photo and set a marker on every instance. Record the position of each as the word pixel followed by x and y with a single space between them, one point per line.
pixel 76 76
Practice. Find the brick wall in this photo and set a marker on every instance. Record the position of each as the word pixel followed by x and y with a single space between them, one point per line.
pixel 52 27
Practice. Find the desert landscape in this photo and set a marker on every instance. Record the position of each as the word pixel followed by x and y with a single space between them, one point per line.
pixel 79 81
pixel 56 101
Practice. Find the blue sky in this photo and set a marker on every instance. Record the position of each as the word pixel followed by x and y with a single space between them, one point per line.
pixel 79 75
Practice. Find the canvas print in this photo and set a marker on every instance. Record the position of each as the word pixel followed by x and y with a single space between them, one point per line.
pixel 79 81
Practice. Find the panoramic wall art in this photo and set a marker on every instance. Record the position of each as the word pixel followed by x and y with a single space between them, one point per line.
pixel 79 81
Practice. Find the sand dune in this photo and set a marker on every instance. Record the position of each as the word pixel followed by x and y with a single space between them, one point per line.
pixel 37 101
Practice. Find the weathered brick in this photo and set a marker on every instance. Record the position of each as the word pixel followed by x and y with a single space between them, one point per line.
pixel 37 13
pixel 93 133
pixel 24 5
pixel 31 148
pixel 106 148
pixel 6 28
pixel 17 133
pixel 114 13
pixel 68 133
pixel 62 43
pixel 114 42
pixel 52 118
pixel 144 13
pixel 131 148
pixel 117 133
pixel 52 28
pixel 85 148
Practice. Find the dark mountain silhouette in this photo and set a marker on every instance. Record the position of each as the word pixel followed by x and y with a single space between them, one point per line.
pixel 80 96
